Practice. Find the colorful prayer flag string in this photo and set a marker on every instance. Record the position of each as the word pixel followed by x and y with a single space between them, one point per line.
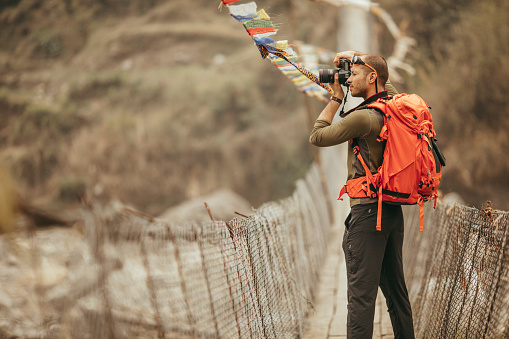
pixel 260 30
pixel 266 47
pixel 260 15
pixel 258 23
pixel 259 27
pixel 306 80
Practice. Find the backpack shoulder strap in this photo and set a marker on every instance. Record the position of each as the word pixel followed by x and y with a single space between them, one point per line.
pixel 367 102
pixel 356 150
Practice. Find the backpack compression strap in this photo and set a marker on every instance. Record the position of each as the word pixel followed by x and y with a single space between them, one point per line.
pixel 370 180
pixel 369 175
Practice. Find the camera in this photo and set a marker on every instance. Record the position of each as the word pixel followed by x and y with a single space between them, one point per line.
pixel 327 75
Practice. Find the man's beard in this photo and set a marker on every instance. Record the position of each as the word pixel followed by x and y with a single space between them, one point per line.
pixel 358 92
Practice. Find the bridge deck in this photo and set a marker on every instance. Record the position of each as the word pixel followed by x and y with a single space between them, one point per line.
pixel 329 320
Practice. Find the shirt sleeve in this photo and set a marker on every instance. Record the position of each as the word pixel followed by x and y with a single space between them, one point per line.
pixel 355 125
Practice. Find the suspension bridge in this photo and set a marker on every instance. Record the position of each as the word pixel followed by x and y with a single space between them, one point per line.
pixel 275 273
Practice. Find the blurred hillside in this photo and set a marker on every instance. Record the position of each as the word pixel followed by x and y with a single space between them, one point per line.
pixel 461 59
pixel 152 103
pixel 155 102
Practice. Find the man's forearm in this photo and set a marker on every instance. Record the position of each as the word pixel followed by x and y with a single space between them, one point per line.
pixel 329 111
pixel 324 120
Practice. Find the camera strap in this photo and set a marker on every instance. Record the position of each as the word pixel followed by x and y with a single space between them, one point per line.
pixel 344 101
pixel 308 74
pixel 266 49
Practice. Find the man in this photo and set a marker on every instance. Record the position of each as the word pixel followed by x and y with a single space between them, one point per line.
pixel 373 258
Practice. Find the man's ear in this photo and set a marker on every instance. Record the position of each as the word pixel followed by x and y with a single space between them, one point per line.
pixel 372 77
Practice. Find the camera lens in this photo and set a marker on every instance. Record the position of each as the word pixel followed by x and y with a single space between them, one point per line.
pixel 326 76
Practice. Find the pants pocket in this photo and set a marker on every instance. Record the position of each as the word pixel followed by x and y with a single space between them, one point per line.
pixel 348 250
pixel 352 260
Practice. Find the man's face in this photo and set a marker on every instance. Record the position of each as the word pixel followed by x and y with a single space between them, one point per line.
pixel 358 81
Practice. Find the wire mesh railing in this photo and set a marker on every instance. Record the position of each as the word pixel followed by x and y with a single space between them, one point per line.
pixel 126 276
pixel 122 275
pixel 458 273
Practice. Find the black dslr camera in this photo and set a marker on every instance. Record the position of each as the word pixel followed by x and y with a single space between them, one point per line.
pixel 327 75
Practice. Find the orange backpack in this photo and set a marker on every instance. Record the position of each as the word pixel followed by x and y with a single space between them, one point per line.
pixel 412 162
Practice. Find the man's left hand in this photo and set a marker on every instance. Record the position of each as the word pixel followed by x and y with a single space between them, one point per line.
pixel 336 87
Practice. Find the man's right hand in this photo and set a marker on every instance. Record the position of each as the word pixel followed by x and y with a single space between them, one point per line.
pixel 346 55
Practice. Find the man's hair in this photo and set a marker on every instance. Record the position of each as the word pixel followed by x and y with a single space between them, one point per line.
pixel 380 65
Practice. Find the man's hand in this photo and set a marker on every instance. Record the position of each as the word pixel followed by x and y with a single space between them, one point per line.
pixel 336 87
pixel 346 55
pixel 332 107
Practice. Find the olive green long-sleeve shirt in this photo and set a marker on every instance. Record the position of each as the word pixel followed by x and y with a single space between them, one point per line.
pixel 364 125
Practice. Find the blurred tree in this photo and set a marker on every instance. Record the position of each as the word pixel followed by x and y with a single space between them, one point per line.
pixel 462 63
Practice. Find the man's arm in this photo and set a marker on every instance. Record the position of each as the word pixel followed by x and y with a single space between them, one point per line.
pixel 329 112
pixel 332 107
pixel 357 124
